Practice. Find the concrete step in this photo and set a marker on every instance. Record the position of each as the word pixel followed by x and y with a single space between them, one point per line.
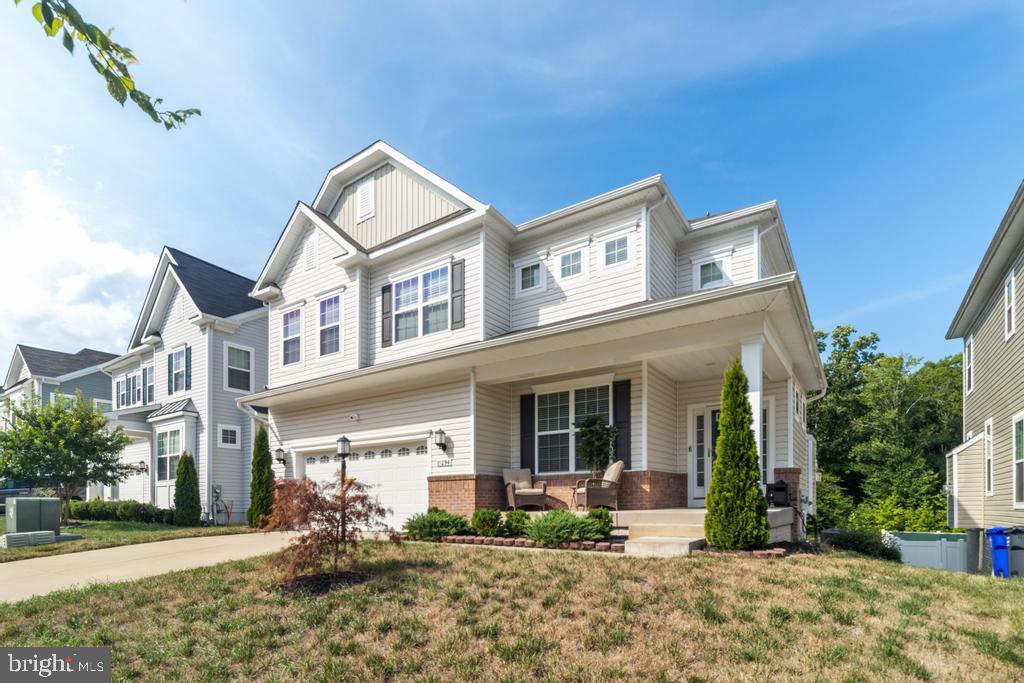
pixel 665 516
pixel 663 546
pixel 681 530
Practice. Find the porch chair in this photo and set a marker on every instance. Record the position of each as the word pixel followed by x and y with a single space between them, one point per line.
pixel 521 489
pixel 602 492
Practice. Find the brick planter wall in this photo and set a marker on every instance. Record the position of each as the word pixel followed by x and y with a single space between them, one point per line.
pixel 462 493
pixel 791 475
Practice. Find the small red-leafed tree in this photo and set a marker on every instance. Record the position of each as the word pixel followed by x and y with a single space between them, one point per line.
pixel 330 516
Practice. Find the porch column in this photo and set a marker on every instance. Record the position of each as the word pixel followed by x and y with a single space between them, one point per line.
pixel 752 359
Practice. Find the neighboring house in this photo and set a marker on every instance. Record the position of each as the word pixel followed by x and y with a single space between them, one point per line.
pixel 447 343
pixel 199 343
pixel 985 475
pixel 42 373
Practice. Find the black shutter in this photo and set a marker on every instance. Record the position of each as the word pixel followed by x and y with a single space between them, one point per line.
pixel 527 431
pixel 385 316
pixel 188 367
pixel 118 396
pixel 621 399
pixel 170 374
pixel 459 294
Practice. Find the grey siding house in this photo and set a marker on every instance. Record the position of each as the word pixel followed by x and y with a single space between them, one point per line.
pixel 42 373
pixel 985 475
pixel 199 344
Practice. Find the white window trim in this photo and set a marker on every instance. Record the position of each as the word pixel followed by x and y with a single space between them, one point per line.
pixel 723 255
pixel 418 274
pixel 1010 311
pixel 238 436
pixel 988 473
pixel 152 367
pixel 108 405
pixel 584 249
pixel 252 365
pixel 302 356
pixel 366 184
pixel 542 284
pixel 969 366
pixel 1019 417
pixel 630 249
pixel 341 317
pixel 571 387
pixel 169 455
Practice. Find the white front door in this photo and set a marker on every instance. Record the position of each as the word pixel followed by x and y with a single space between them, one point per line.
pixel 703 435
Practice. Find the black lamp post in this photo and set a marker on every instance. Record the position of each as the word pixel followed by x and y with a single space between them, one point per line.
pixel 280 455
pixel 344 450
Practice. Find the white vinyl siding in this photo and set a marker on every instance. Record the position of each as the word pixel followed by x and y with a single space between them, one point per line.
pixel 603 287
pixel 299 285
pixel 493 405
pixel 497 297
pixel 662 257
pixel 735 246
pixel 402 202
pixel 662 417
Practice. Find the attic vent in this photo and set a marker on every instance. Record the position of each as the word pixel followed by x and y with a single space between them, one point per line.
pixel 364 199
pixel 310 253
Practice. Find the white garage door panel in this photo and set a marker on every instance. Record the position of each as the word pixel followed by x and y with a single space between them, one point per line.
pixel 398 482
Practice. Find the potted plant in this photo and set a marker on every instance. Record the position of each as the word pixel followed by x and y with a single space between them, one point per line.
pixel 595 444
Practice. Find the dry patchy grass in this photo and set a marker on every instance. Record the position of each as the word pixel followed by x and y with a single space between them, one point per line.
pixel 444 613
pixel 97 535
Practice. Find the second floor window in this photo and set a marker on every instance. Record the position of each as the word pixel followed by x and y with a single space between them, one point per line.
pixel 571 264
pixel 616 251
pixel 529 278
pixel 178 370
pixel 422 298
pixel 330 325
pixel 239 368
pixel 969 365
pixel 148 384
pixel 291 337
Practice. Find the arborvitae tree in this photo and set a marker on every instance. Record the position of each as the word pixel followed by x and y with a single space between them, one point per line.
pixel 737 511
pixel 261 491
pixel 187 508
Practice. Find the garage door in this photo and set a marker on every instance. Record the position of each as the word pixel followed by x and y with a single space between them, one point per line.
pixel 396 475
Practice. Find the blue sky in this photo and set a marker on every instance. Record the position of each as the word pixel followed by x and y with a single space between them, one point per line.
pixel 889 133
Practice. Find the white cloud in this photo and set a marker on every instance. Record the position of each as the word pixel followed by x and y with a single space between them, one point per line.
pixel 956 281
pixel 64 289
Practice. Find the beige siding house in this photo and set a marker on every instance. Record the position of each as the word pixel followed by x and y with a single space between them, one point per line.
pixel 986 474
pixel 199 344
pixel 469 344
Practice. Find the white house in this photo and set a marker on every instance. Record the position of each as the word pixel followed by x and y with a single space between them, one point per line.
pixel 448 343
pixel 200 343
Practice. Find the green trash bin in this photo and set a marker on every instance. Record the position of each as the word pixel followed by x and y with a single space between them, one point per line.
pixel 33 514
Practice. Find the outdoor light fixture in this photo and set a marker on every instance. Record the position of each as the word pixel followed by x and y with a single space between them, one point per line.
pixel 143 467
pixel 344 447
pixel 441 440
pixel 280 455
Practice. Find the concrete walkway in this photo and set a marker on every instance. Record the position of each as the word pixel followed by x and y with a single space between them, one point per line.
pixel 40 575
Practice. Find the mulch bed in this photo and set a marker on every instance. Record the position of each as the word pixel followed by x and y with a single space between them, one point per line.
pixel 322 583
pixel 521 542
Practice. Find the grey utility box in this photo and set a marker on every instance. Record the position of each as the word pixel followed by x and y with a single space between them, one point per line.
pixel 33 514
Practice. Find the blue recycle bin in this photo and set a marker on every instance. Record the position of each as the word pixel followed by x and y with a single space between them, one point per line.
pixel 999 538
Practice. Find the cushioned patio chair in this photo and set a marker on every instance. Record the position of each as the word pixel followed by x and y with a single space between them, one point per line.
pixel 521 489
pixel 602 492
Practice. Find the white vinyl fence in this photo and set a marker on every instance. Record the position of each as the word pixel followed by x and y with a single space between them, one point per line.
pixel 933 550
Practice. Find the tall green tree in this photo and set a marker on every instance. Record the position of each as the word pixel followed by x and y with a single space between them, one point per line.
pixel 261 490
pixel 737 511
pixel 187 508
pixel 63 445
pixel 109 58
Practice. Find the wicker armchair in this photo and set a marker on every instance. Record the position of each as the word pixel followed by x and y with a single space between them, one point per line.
pixel 521 490
pixel 602 492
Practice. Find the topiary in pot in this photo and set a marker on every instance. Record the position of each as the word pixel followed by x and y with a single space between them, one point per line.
pixel 595 443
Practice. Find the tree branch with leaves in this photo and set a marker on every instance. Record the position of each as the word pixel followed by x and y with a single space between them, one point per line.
pixel 109 58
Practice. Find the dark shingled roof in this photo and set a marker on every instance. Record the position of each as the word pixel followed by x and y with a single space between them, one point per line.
pixel 56 363
pixel 214 290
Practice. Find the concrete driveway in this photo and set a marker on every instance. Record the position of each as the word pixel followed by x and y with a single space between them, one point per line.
pixel 24 578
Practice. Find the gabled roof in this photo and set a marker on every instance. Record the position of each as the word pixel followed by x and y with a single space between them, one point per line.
pixel 215 291
pixel 1001 252
pixel 185 405
pixel 53 364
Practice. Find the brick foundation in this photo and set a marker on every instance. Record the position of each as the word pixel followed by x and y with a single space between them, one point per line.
pixel 645 490
pixel 791 475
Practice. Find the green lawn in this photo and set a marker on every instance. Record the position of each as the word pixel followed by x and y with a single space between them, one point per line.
pixel 440 613
pixel 109 534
